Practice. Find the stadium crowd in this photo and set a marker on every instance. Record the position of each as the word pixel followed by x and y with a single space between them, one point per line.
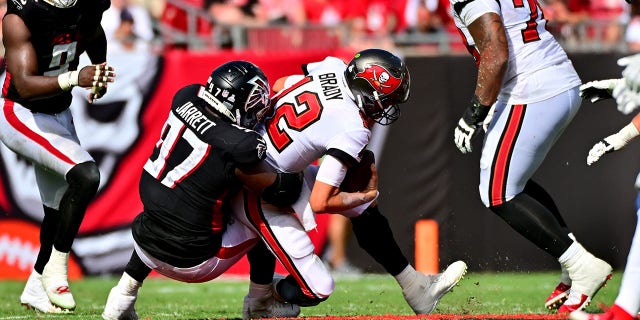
pixel 591 24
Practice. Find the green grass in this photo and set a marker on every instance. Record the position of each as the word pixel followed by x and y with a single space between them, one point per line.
pixel 160 298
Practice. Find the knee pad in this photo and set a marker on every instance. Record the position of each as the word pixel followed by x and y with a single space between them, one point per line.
pixel 84 177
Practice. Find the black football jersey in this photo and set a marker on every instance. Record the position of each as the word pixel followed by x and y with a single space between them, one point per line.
pixel 188 179
pixel 59 37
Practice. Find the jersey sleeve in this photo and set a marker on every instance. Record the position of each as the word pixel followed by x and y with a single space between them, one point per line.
pixel 327 63
pixel 470 10
pixel 250 149
pixel 347 146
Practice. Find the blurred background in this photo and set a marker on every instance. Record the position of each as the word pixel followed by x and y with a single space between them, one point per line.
pixel 158 46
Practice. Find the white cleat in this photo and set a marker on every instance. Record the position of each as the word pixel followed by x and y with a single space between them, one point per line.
pixel 55 281
pixel 34 297
pixel 423 296
pixel 268 307
pixel 119 306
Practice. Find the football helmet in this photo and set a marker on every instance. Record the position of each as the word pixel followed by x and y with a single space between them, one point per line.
pixel 238 91
pixel 379 81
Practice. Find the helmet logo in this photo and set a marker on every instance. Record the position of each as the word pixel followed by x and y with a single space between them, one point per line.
pixel 258 98
pixel 379 78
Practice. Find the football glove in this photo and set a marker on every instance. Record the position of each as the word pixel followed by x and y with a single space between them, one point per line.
pixel 631 72
pixel 612 143
pixel 598 90
pixel 627 100
pixel 472 119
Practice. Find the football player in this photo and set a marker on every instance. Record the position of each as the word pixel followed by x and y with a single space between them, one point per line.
pixel 627 303
pixel 43 41
pixel 528 78
pixel 205 153
pixel 328 112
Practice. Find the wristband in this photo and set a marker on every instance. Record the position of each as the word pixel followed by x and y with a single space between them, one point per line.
pixel 628 132
pixel 68 80
pixel 475 114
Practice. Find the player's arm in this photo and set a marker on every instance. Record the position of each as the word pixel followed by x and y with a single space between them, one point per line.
pixel 97 52
pixel 326 195
pixel 491 40
pixel 615 141
pixel 97 46
pixel 280 189
pixel 22 63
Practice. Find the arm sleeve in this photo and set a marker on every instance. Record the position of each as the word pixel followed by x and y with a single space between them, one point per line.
pixel 469 11
pixel 331 171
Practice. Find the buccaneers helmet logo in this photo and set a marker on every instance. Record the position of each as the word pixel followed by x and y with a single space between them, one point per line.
pixel 379 78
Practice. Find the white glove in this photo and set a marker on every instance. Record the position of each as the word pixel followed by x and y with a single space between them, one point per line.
pixel 612 143
pixel 627 100
pixel 598 90
pixel 631 72
pixel 463 135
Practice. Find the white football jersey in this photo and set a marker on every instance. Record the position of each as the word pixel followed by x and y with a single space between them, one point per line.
pixel 314 115
pixel 538 66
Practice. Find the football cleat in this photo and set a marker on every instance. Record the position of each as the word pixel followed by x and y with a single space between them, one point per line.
pixel 55 281
pixel 423 295
pixel 268 307
pixel 558 296
pixel 588 274
pixel 34 297
pixel 613 313
pixel 119 306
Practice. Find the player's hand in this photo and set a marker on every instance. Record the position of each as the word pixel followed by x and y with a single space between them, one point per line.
pixel 627 100
pixel 612 143
pixel 96 79
pixel 471 120
pixel 462 135
pixel 631 72
pixel 595 91
pixel 598 150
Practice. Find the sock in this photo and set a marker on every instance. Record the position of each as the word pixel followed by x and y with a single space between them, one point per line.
pixel 574 249
pixel 259 290
pixel 58 261
pixel 129 285
pixel 406 277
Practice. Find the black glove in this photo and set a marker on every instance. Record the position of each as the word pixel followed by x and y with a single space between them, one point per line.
pixel 472 118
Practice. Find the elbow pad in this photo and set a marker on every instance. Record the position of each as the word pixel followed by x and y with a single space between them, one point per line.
pixel 285 190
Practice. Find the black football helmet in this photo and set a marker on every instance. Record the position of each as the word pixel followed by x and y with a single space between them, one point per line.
pixel 379 81
pixel 240 92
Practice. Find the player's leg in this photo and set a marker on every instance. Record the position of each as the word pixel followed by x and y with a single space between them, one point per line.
pixel 262 301
pixel 422 292
pixel 67 178
pixel 514 149
pixel 627 303
pixel 34 296
pixel 309 282
pixel 122 298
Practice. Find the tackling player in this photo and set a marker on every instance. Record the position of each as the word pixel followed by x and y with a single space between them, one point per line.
pixel 43 41
pixel 328 113
pixel 533 86
pixel 206 152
